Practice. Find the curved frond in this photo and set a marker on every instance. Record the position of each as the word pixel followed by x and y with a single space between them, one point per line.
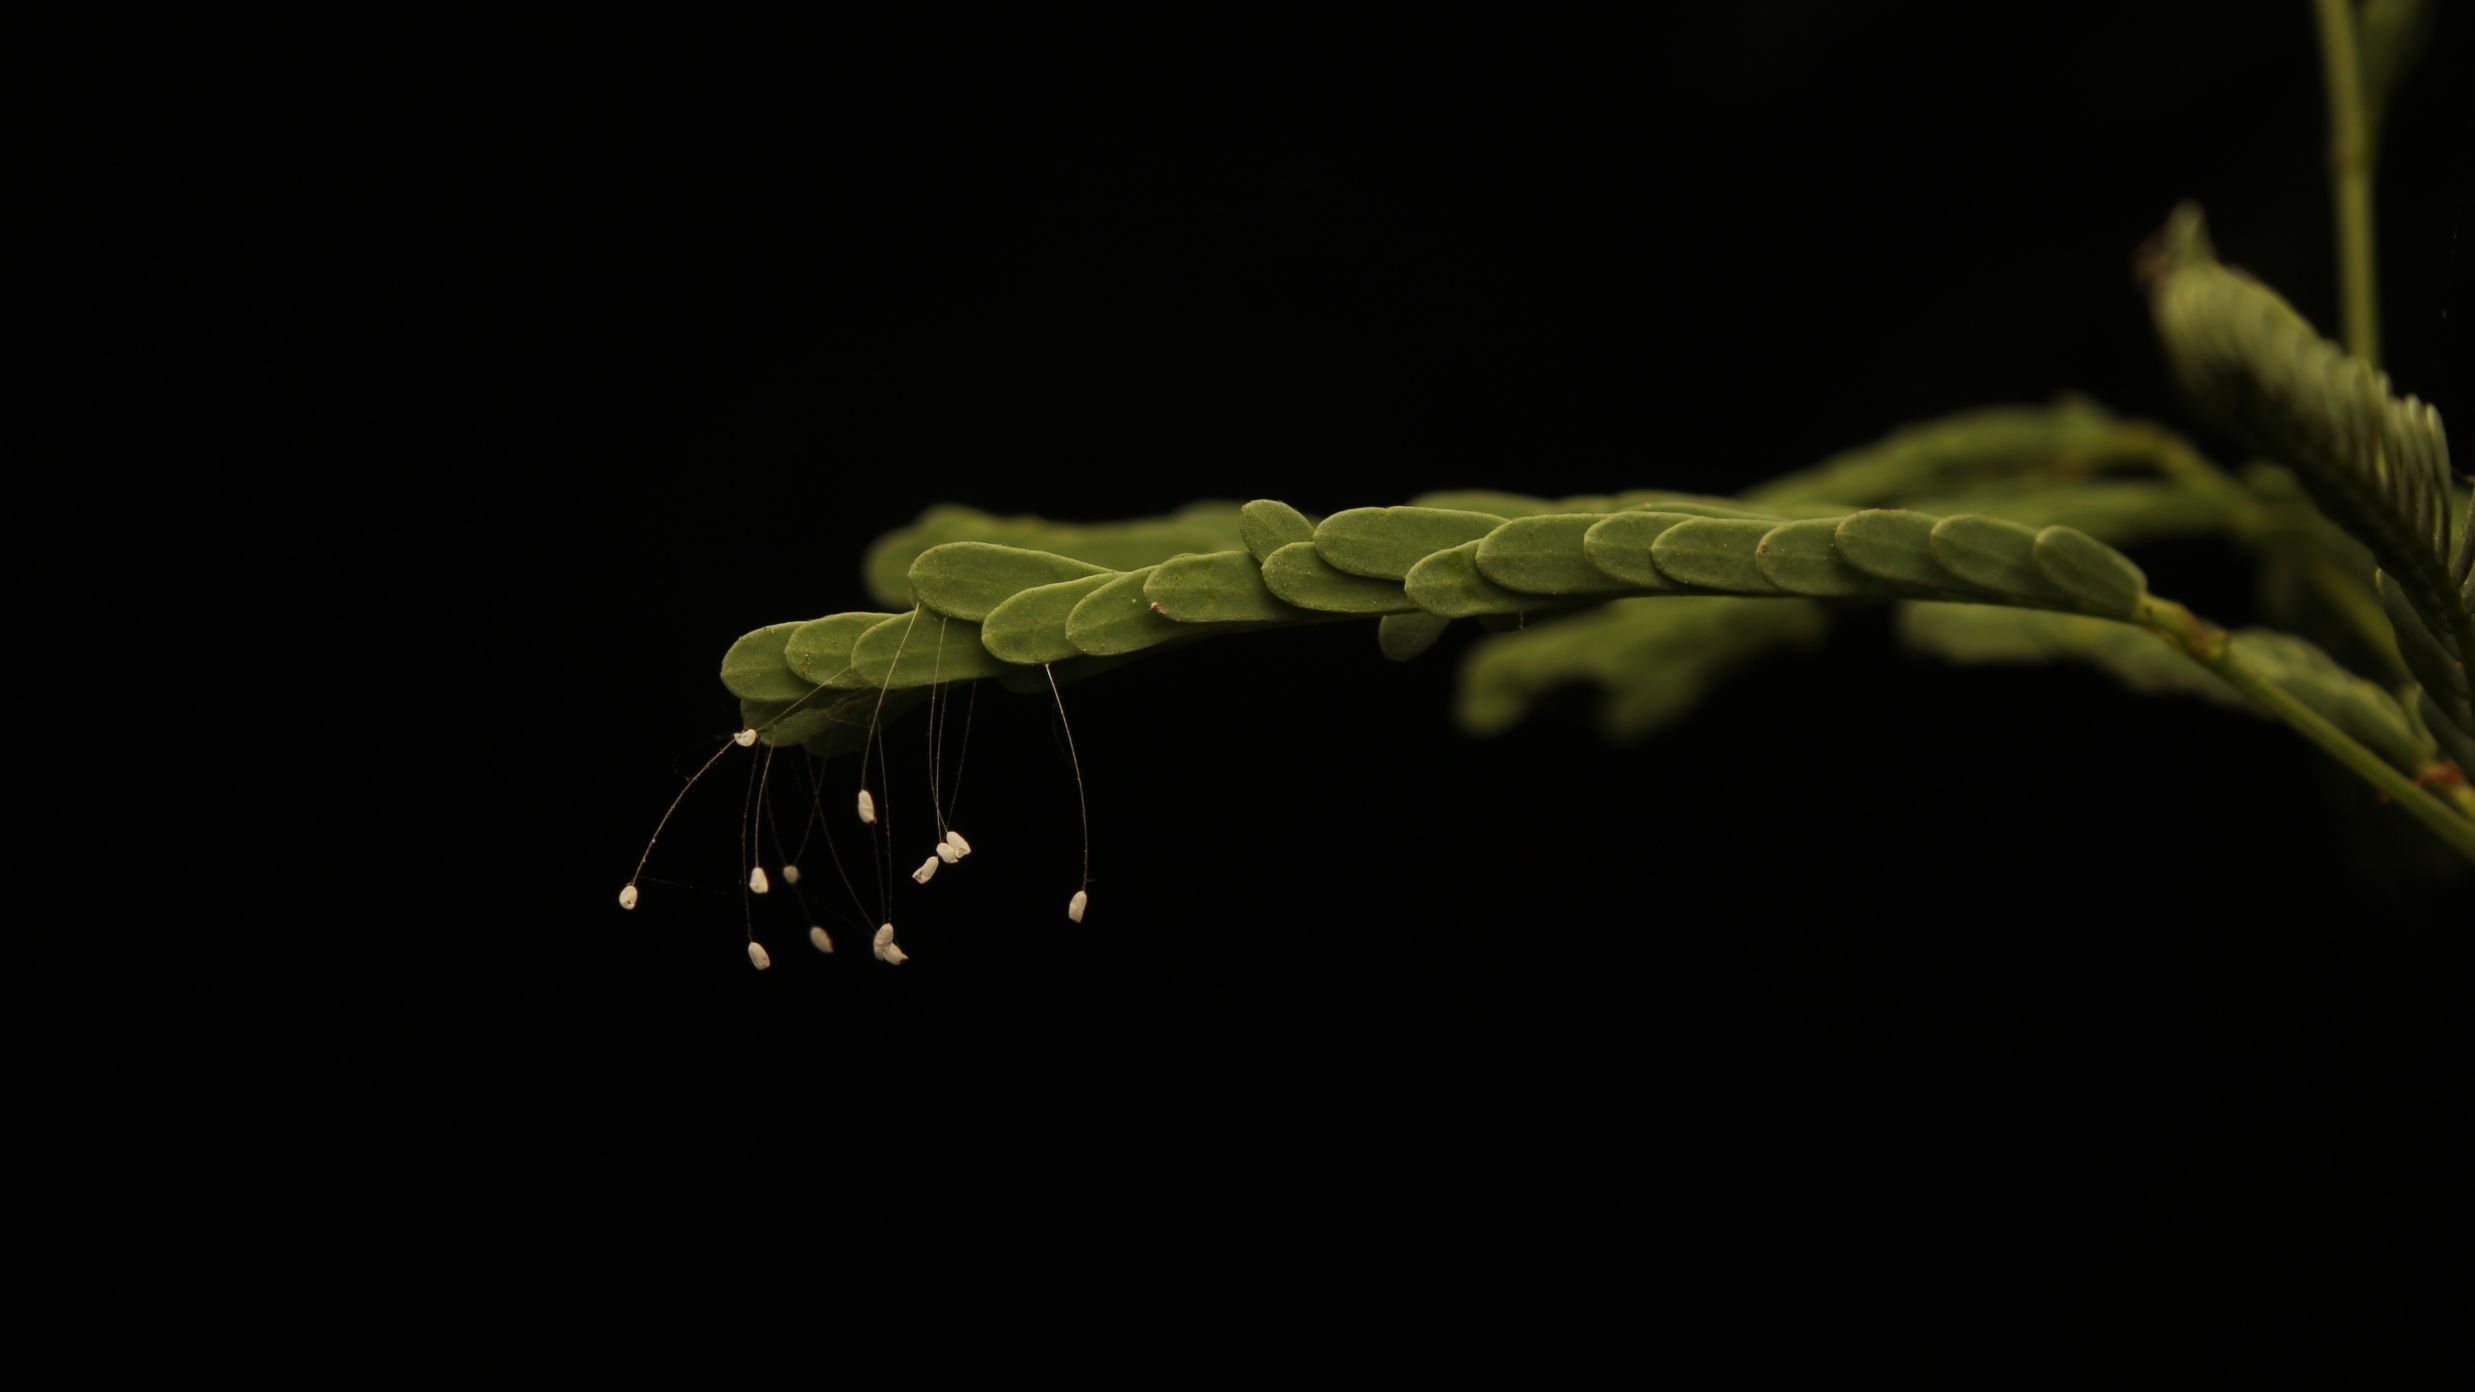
pixel 988 609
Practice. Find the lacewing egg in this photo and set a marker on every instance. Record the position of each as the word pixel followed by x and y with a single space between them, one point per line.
pixel 884 946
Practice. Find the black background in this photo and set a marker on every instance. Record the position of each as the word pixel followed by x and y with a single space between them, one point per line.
pixel 1949 1012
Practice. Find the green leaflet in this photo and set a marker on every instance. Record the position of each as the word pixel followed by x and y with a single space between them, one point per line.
pixel 754 668
pixel 826 729
pixel 2462 557
pixel 1690 504
pixel 2459 745
pixel 1223 587
pixel 1448 584
pixel 1693 505
pixel 968 579
pixel 1267 526
pixel 1118 618
pixel 801 724
pixel 1545 554
pixel 1031 627
pixel 2432 665
pixel 1484 500
pixel 1510 505
pixel 2098 577
pixel 1894 544
pixel 1996 557
pixel 1658 689
pixel 1803 558
pixel 1197 527
pixel 918 649
pixel 1299 574
pixel 1715 553
pixel 2119 514
pixel 783 722
pixel 1988 443
pixel 1663 500
pixel 1975 633
pixel 1384 542
pixel 1405 636
pixel 1654 658
pixel 820 649
pixel 1619 546
pixel 2441 677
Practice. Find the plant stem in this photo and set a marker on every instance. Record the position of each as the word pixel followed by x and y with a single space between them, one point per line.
pixel 2208 645
pixel 2350 175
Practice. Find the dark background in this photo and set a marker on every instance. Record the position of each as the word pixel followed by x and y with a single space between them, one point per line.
pixel 1947 1012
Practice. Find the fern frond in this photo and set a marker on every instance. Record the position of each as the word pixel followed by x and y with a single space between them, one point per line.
pixel 2376 464
pixel 981 608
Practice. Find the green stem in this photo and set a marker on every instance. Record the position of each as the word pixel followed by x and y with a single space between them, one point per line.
pixel 2209 645
pixel 2350 175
